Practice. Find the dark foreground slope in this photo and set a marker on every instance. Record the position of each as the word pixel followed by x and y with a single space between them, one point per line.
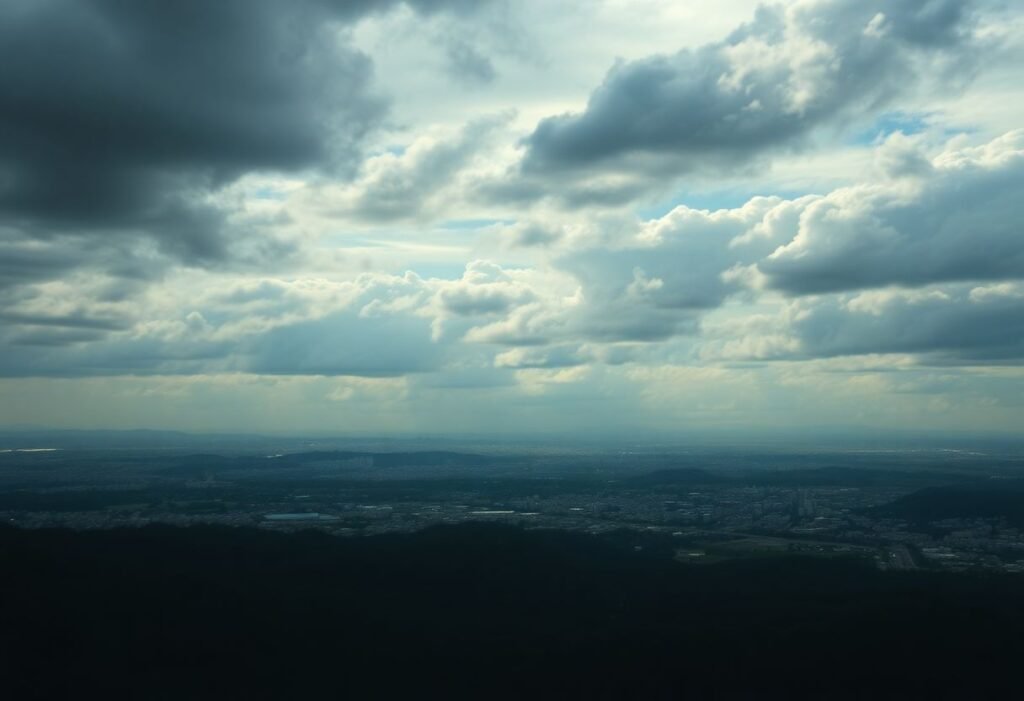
pixel 480 610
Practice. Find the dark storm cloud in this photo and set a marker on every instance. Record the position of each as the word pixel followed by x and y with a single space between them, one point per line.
pixel 118 118
pixel 22 262
pixel 961 222
pixel 74 321
pixel 55 337
pixel 954 326
pixel 67 354
pixel 768 85
pixel 467 64
pixel 528 234
pixel 462 302
pixel 25 262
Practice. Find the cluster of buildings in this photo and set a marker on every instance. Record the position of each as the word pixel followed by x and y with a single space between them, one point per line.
pixel 805 519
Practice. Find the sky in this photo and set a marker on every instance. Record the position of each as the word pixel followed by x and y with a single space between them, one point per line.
pixel 600 217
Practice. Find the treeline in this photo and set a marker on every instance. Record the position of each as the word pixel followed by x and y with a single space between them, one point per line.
pixel 475 610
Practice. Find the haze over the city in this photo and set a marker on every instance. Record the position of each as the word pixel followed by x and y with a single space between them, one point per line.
pixel 439 216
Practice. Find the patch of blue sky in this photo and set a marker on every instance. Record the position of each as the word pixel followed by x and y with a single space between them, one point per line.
pixel 908 123
pixel 472 224
pixel 397 150
pixel 267 192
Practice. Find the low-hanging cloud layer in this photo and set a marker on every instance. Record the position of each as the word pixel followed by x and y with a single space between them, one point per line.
pixel 806 221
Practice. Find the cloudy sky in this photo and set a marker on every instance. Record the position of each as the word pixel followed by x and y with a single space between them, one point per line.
pixel 514 216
